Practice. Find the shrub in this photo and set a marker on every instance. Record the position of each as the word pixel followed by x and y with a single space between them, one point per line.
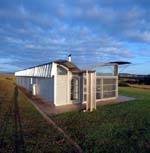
pixel 123 84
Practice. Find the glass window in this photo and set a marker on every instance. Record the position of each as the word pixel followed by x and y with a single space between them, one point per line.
pixel 85 97
pixel 74 89
pixel 109 87
pixel 104 71
pixel 84 89
pixel 109 81
pixel 98 95
pixel 98 88
pixel 84 81
pixel 61 71
pixel 109 94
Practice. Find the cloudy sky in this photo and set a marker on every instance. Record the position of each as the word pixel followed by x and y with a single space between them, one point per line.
pixel 38 31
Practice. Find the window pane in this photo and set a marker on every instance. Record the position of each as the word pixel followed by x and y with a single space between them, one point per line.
pixel 84 81
pixel 109 87
pixel 98 95
pixel 74 89
pixel 85 97
pixel 98 89
pixel 61 71
pixel 109 94
pixel 109 81
pixel 85 90
pixel 98 81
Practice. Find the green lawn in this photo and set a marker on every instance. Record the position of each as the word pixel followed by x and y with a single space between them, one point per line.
pixel 116 128
pixel 22 128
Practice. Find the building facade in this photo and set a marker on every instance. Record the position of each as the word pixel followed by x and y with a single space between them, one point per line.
pixel 61 82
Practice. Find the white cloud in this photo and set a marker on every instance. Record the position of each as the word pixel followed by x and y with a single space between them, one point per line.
pixel 140 36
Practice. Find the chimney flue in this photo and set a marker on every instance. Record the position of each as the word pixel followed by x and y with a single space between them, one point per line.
pixel 69 58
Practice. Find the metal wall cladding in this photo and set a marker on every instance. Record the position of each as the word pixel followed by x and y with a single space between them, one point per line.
pixel 39 71
pixel 45 86
pixel 25 82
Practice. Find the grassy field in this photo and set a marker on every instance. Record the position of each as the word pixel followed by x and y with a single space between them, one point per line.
pixel 139 86
pixel 22 128
pixel 117 128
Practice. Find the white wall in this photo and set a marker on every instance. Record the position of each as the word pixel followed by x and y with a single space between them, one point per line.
pixel 62 90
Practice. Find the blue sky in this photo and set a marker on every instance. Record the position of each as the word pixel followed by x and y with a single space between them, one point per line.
pixel 38 31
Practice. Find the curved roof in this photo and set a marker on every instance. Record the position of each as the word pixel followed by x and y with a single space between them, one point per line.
pixel 72 67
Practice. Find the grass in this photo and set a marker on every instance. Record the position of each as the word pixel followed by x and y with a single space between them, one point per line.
pixel 22 128
pixel 117 128
pixel 140 86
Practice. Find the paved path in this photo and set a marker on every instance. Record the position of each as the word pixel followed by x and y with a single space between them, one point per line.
pixel 39 102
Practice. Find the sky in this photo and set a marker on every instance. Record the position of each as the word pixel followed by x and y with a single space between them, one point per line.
pixel 33 32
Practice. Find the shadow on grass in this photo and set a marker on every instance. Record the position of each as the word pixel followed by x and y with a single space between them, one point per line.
pixel 19 139
pixel 4 123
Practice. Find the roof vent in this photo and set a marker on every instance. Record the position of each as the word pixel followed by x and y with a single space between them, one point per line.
pixel 69 58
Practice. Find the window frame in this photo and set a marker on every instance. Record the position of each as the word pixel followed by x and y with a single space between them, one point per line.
pixel 63 72
pixel 78 89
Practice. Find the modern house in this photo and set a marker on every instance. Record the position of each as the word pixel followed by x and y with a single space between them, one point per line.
pixel 61 82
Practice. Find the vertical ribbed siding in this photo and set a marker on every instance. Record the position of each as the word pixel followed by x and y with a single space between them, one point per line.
pixel 39 71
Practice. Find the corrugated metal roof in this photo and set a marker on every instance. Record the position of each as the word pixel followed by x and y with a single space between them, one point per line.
pixel 39 71
pixel 44 70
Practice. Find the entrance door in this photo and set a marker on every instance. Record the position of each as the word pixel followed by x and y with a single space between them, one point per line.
pixel 75 89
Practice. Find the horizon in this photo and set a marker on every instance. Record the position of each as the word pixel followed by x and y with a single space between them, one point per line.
pixel 6 72
pixel 34 32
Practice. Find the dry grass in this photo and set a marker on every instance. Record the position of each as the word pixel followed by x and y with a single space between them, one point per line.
pixel 4 76
pixel 139 86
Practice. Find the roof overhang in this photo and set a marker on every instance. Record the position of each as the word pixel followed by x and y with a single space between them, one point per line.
pixel 112 63
pixel 72 67
pixel 119 62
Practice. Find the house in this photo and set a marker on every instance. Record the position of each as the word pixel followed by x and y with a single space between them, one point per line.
pixel 61 82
